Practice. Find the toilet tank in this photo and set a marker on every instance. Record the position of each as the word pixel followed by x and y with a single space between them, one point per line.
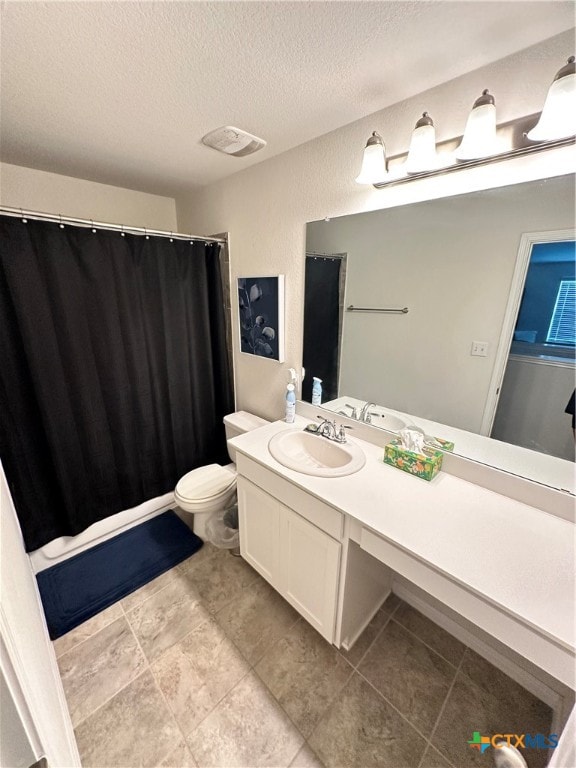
pixel 237 424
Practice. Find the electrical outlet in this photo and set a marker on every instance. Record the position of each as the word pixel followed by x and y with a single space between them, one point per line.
pixel 479 349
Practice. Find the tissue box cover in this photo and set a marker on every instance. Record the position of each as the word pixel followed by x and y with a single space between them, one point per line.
pixel 425 465
pixel 446 445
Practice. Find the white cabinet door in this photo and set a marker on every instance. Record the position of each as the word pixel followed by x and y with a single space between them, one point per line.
pixel 300 561
pixel 309 571
pixel 259 518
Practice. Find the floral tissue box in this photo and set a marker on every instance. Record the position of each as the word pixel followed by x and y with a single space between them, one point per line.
pixel 444 445
pixel 425 465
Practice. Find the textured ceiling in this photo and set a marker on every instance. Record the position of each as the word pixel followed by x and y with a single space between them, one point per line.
pixel 122 92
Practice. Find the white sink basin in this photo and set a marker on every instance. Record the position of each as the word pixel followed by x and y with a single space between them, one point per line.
pixel 387 421
pixel 315 455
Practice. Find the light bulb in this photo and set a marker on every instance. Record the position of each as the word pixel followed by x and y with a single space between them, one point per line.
pixel 422 153
pixel 479 138
pixel 558 118
pixel 373 161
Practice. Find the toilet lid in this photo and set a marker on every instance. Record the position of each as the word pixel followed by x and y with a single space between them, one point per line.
pixel 205 482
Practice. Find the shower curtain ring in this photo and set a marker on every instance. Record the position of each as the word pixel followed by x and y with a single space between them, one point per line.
pixel 171 238
pixel 122 233
pixel 93 227
pixel 61 225
pixel 146 233
pixel 24 219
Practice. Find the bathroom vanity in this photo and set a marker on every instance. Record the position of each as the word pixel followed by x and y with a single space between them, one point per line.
pixel 331 547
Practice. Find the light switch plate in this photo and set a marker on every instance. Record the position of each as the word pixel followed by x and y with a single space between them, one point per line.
pixel 479 349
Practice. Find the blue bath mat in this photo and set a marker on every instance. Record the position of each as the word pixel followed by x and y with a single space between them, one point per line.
pixel 78 588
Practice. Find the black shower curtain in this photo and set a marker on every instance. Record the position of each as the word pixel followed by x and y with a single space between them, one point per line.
pixel 114 375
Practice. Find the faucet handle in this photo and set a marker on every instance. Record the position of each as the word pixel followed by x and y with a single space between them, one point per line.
pixel 341 436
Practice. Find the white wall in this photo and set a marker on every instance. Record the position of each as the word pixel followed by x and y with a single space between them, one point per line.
pixel 451 262
pixel 51 193
pixel 265 208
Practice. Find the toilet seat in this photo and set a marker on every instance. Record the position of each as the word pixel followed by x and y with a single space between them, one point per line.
pixel 208 483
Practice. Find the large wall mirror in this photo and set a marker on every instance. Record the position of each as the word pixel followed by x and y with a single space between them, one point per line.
pixel 484 354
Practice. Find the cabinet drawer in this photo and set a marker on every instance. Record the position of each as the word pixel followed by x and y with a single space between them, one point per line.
pixel 323 516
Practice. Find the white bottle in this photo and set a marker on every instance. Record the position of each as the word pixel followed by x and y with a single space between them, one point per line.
pixel 290 404
pixel 317 391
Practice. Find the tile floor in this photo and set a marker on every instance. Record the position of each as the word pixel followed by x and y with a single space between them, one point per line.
pixel 208 666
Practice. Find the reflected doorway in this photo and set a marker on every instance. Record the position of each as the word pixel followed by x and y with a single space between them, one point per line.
pixel 323 314
pixel 539 376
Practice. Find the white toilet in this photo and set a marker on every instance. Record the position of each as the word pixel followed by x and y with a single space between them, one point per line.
pixel 207 489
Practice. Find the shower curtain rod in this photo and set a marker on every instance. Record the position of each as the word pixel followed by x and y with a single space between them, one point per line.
pixel 56 218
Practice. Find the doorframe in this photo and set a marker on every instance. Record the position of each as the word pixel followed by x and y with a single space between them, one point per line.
pixel 527 241
pixel 31 673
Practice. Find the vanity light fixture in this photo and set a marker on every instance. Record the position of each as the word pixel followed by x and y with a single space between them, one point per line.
pixel 374 167
pixel 422 153
pixel 479 138
pixel 558 118
pixel 483 141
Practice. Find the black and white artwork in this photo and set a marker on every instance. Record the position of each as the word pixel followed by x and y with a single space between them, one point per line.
pixel 261 316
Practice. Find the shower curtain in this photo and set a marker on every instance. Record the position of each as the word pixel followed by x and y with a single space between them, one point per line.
pixel 114 375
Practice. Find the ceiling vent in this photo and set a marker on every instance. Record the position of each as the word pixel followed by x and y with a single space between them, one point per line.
pixel 233 141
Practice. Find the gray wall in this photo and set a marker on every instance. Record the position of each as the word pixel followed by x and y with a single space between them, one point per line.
pixel 451 262
pixel 531 407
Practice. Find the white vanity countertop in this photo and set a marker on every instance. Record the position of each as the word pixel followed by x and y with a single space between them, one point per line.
pixel 513 555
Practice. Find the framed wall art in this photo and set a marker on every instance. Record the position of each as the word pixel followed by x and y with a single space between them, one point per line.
pixel 261 316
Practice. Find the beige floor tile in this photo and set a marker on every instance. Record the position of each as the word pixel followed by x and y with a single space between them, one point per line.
pixel 306 759
pixel 206 552
pixel 98 668
pixel 133 729
pixel 197 672
pixel 137 597
pixel 181 757
pixel 219 578
pixel 472 708
pixel 304 673
pixel 355 654
pixel 433 759
pixel 76 636
pixel 412 677
pixel 362 730
pixel 166 617
pixel 256 619
pixel 392 603
pixel 437 638
pixel 506 690
pixel 247 728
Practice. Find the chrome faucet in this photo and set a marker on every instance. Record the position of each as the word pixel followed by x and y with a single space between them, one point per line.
pixel 330 431
pixel 365 413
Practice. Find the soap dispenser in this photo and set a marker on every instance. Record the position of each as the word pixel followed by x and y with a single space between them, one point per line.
pixel 290 404
pixel 316 391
